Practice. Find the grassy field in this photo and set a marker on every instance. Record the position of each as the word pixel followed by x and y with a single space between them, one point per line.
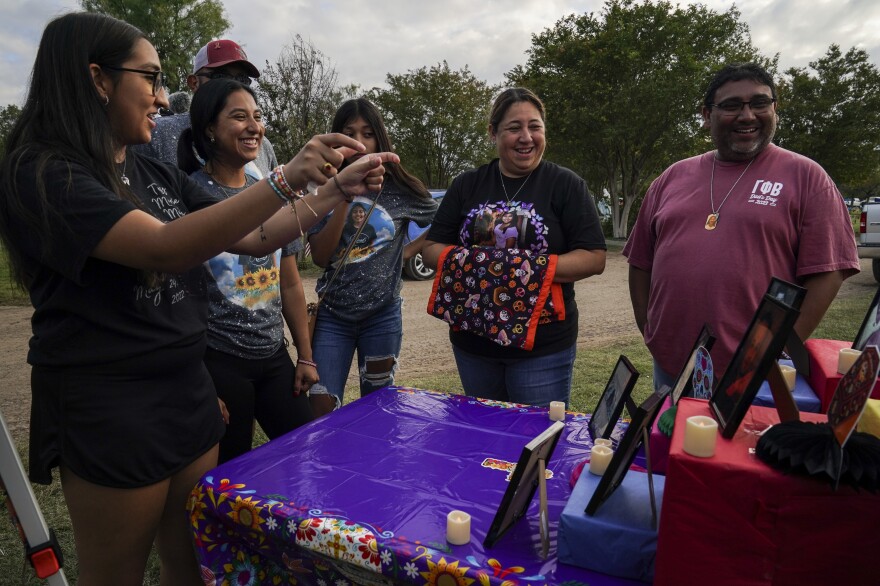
pixel 592 368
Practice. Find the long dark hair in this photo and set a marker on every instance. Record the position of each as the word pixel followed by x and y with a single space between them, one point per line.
pixel 64 120
pixel 207 103
pixel 364 108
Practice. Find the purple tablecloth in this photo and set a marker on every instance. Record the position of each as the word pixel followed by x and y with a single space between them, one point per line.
pixel 361 496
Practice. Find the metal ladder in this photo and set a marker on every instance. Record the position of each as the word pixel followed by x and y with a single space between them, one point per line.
pixel 41 546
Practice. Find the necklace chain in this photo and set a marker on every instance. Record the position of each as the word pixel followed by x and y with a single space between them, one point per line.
pixel 712 219
pixel 501 176
pixel 124 177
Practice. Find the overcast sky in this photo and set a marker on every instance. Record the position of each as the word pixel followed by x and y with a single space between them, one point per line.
pixel 367 40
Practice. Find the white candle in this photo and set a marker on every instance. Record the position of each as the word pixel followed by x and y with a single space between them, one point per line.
pixel 600 457
pixel 604 442
pixel 557 411
pixel 700 434
pixel 789 374
pixel 846 358
pixel 458 528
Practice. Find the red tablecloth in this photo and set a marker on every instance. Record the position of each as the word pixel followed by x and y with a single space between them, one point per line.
pixel 823 369
pixel 732 520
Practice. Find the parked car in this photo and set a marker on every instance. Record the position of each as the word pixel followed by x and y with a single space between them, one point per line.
pixel 415 268
pixel 869 236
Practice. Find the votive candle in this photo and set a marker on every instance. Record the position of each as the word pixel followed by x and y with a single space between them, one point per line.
pixel 458 527
pixel 600 457
pixel 789 374
pixel 604 442
pixel 557 411
pixel 846 359
pixel 700 435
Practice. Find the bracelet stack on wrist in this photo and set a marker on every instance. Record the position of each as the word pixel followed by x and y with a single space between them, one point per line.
pixel 307 362
pixel 278 182
pixel 349 198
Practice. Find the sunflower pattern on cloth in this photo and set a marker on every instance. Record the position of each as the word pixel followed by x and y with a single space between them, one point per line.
pixel 500 294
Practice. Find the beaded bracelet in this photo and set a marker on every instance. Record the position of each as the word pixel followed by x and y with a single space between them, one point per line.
pixel 278 182
pixel 307 362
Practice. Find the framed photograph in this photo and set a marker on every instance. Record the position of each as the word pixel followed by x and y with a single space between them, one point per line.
pixel 760 346
pixel 623 457
pixel 610 406
pixel 788 293
pixel 684 383
pixel 524 482
pixel 869 332
pixel 852 393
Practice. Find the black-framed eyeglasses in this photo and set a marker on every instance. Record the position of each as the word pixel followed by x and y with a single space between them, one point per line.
pixel 158 76
pixel 734 107
pixel 240 78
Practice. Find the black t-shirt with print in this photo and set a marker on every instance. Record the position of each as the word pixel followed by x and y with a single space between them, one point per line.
pixel 553 214
pixel 89 311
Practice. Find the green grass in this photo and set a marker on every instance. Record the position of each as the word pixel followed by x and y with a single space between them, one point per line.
pixel 592 368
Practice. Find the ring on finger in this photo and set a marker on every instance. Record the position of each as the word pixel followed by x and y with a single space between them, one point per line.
pixel 328 167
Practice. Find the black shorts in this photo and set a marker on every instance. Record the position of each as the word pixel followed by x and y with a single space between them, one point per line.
pixel 122 425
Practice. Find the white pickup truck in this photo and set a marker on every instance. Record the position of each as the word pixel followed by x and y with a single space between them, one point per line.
pixel 869 236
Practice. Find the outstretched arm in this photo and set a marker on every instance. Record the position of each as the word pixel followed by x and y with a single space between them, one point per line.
pixel 141 241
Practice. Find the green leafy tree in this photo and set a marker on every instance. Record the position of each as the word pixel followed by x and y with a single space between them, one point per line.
pixel 437 119
pixel 298 96
pixel 8 115
pixel 623 90
pixel 177 28
pixel 830 112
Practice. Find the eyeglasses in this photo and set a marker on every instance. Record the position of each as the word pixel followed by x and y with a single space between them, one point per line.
pixel 734 107
pixel 241 78
pixel 158 76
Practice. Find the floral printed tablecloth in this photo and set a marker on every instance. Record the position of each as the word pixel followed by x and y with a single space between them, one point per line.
pixel 361 496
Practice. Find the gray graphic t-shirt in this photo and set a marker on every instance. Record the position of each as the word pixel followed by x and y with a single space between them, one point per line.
pixel 244 294
pixel 370 279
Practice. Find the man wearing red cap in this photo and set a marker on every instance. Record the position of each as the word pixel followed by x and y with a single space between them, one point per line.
pixel 218 59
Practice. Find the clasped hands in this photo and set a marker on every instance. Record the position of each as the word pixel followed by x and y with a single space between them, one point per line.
pixel 319 160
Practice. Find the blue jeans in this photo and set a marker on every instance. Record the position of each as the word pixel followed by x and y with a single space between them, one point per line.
pixel 662 378
pixel 376 339
pixel 532 381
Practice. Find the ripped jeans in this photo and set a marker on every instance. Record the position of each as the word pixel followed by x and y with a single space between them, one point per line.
pixel 376 339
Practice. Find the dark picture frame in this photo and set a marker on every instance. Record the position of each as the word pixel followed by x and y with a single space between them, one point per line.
pixel 788 293
pixel 869 331
pixel 610 406
pixel 523 482
pixel 684 383
pixel 760 346
pixel 623 457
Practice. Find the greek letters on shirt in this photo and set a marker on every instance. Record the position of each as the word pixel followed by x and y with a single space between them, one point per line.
pixel 766 193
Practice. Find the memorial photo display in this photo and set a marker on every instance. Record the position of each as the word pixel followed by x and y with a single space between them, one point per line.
pixel 684 382
pixel 610 406
pixel 760 346
pixel 523 482
pixel 623 457
pixel 869 332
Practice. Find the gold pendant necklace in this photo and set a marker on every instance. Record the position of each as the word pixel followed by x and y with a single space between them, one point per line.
pixel 712 219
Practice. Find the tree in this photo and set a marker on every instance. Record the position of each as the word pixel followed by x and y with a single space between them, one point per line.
pixel 177 28
pixel 437 119
pixel 623 90
pixel 832 115
pixel 8 116
pixel 298 96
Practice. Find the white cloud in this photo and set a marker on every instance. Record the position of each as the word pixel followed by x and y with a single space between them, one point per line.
pixel 368 40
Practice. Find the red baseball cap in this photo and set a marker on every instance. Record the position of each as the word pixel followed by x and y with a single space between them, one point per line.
pixel 223 52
